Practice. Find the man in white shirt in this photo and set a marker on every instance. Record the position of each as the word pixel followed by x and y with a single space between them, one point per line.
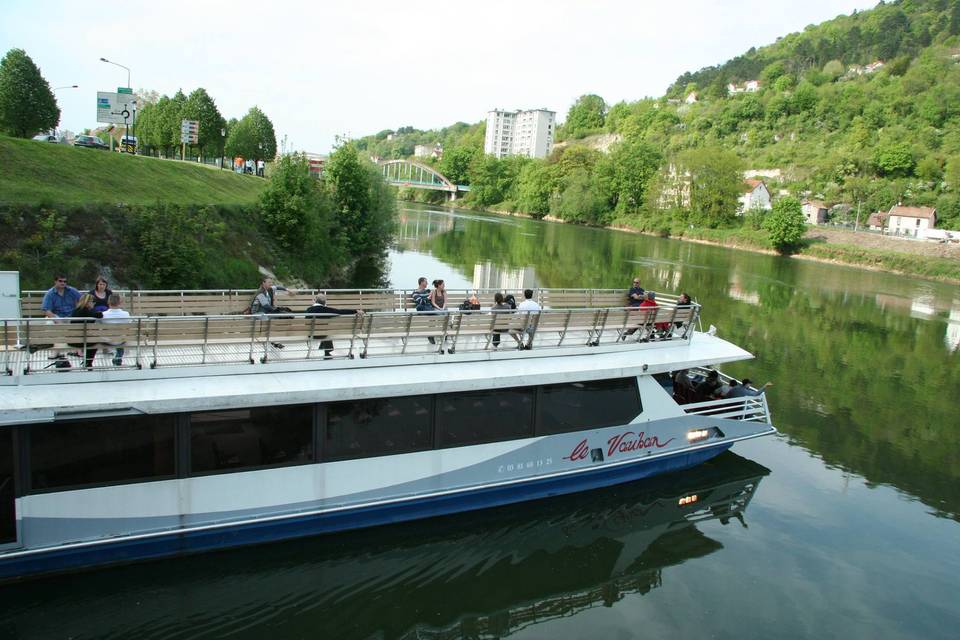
pixel 529 305
pixel 116 315
pixel 260 166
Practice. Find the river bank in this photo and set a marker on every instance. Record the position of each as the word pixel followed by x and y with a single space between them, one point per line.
pixel 871 251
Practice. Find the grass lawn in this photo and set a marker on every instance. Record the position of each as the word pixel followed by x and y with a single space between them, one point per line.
pixel 43 173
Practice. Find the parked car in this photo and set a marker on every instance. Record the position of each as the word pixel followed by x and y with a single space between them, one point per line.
pixel 45 137
pixel 93 142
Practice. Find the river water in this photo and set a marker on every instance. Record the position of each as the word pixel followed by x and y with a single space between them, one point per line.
pixel 845 525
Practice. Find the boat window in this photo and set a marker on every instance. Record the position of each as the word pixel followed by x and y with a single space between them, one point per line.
pixel 101 451
pixel 587 405
pixel 367 428
pixel 250 438
pixel 484 416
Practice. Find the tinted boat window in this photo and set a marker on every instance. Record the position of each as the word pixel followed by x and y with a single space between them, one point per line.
pixel 102 450
pixel 485 416
pixel 587 405
pixel 366 428
pixel 250 438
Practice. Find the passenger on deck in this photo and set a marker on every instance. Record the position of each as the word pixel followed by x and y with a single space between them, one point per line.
pixel 85 311
pixel 635 298
pixel 421 301
pixel 500 306
pixel 60 300
pixel 438 303
pixel 683 391
pixel 320 307
pixel 101 294
pixel 529 305
pixel 116 315
pixel 746 389
pixel 265 299
pixel 421 296
pixel 708 387
pixel 683 302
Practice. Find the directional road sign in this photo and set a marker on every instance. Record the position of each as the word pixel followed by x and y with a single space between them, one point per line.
pixel 115 108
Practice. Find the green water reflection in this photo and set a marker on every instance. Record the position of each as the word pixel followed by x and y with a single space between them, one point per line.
pixel 865 364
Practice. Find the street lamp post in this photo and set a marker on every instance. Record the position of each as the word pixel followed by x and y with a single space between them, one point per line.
pixel 66 86
pixel 223 144
pixel 126 132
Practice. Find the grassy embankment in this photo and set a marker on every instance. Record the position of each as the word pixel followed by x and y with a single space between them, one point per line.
pixel 37 173
pixel 144 222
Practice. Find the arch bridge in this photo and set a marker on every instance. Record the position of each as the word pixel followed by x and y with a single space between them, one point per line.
pixel 415 175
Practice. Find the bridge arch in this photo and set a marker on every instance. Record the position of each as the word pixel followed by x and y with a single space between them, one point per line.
pixel 408 173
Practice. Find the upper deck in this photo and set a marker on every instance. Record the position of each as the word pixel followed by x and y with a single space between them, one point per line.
pixel 177 334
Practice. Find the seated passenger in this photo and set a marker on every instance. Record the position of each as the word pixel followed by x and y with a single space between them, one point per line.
pixel 529 305
pixel 707 389
pixel 500 305
pixel 86 312
pixel 320 307
pixel 116 315
pixel 60 300
pixel 635 297
pixel 746 389
pixel 683 391
pixel 101 294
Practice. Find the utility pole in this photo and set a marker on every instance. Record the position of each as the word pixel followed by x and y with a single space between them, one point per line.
pixel 856 224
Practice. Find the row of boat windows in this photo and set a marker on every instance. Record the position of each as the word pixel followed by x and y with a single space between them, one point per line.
pixel 101 451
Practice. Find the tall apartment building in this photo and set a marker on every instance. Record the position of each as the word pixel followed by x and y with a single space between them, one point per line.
pixel 520 133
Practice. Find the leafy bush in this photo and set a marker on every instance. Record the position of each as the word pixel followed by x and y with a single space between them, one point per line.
pixel 785 224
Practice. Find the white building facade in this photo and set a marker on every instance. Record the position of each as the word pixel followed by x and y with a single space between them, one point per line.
pixel 520 133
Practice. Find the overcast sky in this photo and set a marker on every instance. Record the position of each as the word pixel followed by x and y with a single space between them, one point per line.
pixel 320 69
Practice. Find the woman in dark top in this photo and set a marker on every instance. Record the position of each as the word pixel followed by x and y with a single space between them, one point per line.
pixel 85 312
pixel 101 293
pixel 438 297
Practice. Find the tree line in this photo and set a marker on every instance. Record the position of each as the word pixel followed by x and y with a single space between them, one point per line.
pixel 159 123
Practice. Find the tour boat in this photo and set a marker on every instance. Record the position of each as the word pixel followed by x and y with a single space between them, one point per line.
pixel 220 429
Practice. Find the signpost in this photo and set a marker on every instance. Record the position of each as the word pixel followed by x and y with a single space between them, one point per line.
pixel 117 108
pixel 189 134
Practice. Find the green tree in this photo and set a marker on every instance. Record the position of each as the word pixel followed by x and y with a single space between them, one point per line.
pixel 200 106
pixel 364 210
pixel 27 105
pixel 486 180
pixel 833 69
pixel 170 244
pixel 455 164
pixel 894 159
pixel 579 201
pixel 626 174
pixel 252 137
pixel 586 115
pixel 716 181
pixel 785 224
pixel 291 205
pixel 536 188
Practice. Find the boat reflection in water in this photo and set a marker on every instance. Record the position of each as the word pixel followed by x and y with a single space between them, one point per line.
pixel 482 574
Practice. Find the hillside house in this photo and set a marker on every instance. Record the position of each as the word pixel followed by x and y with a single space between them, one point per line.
pixel 750 86
pixel 910 221
pixel 428 150
pixel 873 67
pixel 814 211
pixel 691 98
pixel 877 221
pixel 755 195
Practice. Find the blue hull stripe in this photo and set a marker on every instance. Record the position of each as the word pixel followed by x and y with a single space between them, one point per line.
pixel 178 543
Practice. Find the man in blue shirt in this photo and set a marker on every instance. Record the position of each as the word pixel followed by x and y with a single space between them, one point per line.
pixel 60 300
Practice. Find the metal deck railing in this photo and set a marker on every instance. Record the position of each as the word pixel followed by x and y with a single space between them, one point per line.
pixel 37 346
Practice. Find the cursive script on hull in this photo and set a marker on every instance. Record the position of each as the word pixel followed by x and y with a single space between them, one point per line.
pixel 625 442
